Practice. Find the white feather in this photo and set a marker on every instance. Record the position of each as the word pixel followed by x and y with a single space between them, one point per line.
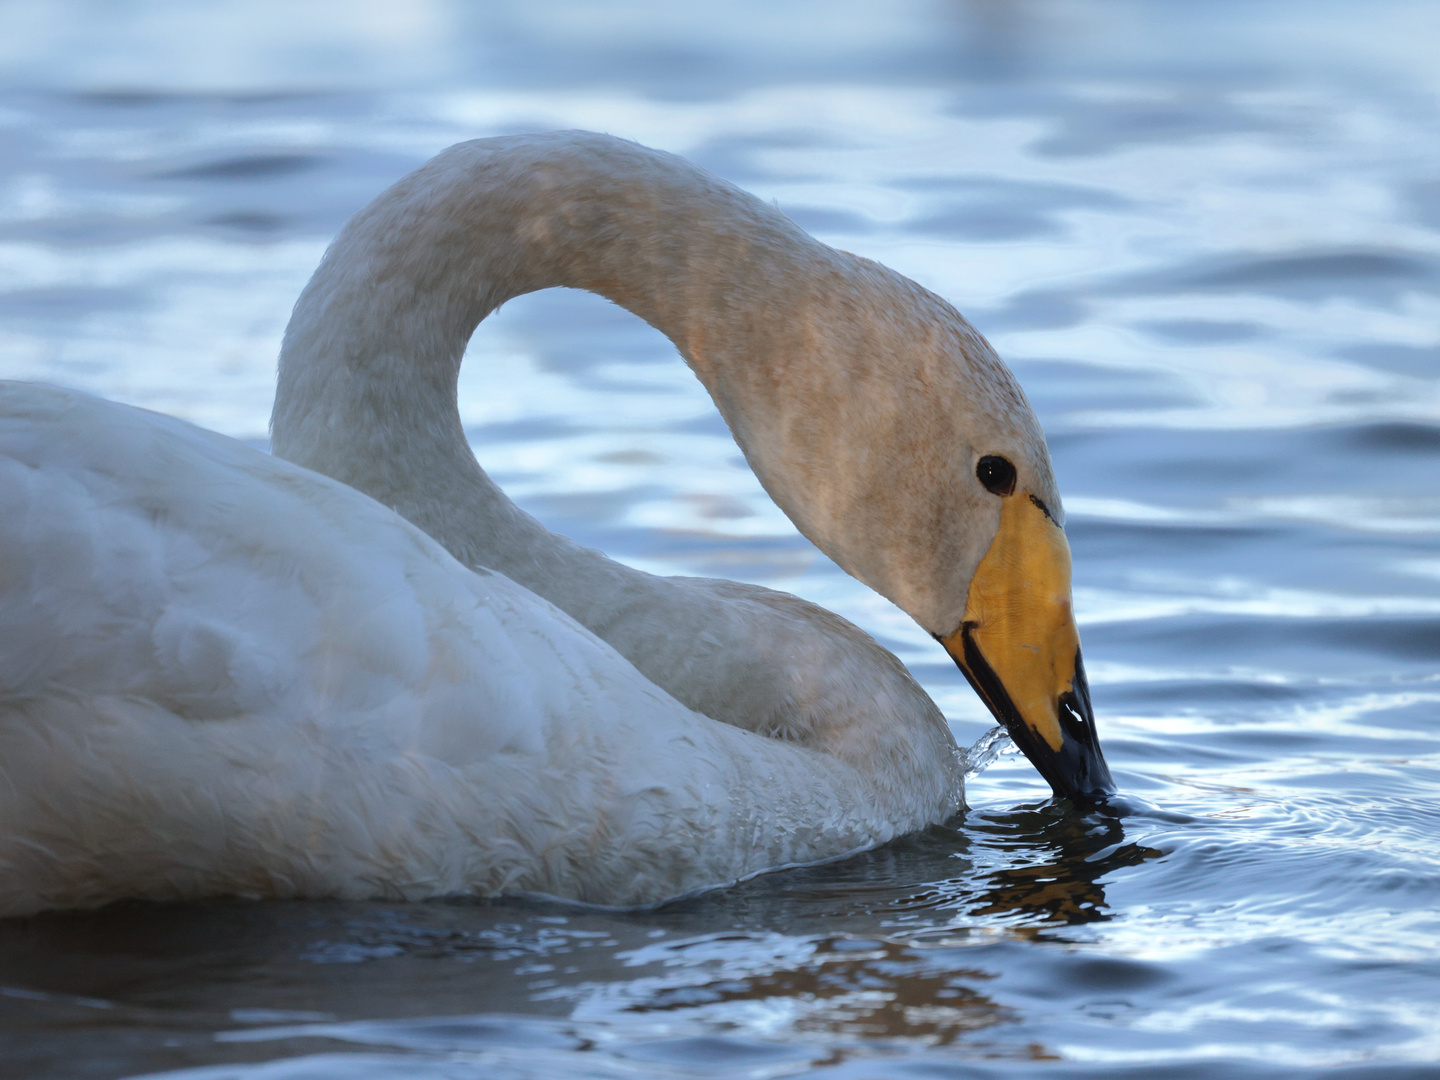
pixel 221 673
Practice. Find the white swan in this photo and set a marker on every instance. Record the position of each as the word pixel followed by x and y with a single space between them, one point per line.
pixel 222 673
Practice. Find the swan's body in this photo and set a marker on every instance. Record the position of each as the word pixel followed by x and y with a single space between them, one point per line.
pixel 223 673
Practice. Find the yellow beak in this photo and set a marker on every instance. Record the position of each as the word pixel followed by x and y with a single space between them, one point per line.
pixel 1020 650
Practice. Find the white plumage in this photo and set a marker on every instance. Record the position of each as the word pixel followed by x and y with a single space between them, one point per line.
pixel 222 673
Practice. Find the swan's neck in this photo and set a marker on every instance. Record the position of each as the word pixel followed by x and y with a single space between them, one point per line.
pixel 840 380
pixel 792 340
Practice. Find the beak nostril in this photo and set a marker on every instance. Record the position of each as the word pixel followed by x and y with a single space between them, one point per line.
pixel 1072 717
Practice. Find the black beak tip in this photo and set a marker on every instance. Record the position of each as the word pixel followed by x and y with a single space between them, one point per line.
pixel 1077 770
pixel 1095 787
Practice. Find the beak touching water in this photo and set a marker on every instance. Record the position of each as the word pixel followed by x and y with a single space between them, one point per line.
pixel 1020 650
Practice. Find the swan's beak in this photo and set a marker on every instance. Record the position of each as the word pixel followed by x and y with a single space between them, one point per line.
pixel 1020 650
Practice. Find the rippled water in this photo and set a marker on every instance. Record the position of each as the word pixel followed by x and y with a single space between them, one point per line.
pixel 1207 237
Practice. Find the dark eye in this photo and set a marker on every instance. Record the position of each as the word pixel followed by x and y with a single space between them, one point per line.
pixel 997 474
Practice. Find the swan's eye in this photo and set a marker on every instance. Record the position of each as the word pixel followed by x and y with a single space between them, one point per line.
pixel 997 474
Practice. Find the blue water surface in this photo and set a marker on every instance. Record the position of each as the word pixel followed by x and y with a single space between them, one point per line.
pixel 1207 238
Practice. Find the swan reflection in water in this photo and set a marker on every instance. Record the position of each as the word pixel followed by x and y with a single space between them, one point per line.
pixel 867 958
pixel 896 944
pixel 1031 869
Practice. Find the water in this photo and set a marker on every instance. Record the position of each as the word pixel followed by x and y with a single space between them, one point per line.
pixel 1207 237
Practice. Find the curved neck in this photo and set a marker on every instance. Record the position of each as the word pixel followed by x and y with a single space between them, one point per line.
pixel 839 378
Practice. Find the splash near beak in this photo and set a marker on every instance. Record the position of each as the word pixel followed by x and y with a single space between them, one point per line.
pixel 1020 650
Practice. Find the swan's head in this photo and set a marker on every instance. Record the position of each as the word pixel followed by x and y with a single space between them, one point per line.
pixel 999 581
pixel 1017 642
pixel 904 448
pixel 879 420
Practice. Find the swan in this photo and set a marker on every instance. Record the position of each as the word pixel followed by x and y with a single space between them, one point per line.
pixel 356 669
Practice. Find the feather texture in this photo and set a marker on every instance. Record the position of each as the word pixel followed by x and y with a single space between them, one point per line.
pixel 224 673
pixel 221 673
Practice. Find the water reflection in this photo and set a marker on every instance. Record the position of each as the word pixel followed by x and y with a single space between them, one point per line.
pixel 1206 238
pixel 1060 856
pixel 1030 869
pixel 870 948
pixel 855 988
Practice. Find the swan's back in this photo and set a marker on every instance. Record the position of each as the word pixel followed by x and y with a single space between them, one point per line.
pixel 224 674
